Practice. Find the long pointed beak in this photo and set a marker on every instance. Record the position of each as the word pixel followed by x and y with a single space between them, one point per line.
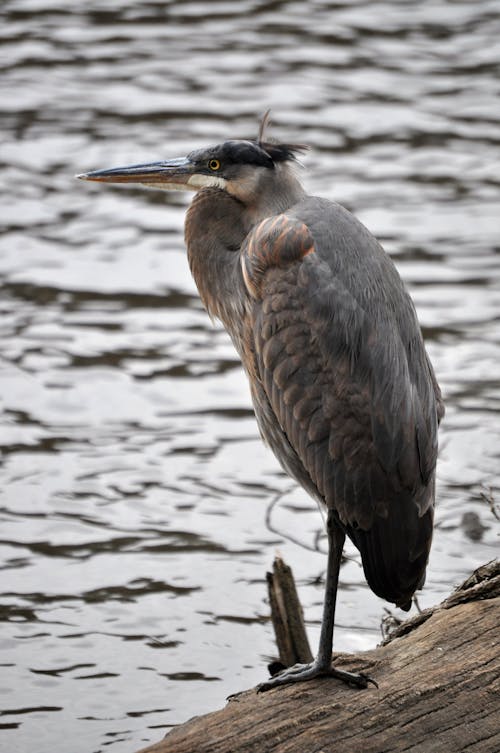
pixel 173 174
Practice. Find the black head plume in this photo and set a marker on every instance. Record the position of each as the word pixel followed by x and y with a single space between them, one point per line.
pixel 266 119
pixel 277 152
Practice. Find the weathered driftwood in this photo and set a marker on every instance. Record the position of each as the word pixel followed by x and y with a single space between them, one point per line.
pixel 439 692
pixel 287 616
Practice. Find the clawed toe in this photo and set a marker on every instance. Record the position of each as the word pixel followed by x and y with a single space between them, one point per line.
pixel 297 673
pixel 304 672
pixel 355 679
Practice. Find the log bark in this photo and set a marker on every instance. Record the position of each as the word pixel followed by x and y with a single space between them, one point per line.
pixel 439 692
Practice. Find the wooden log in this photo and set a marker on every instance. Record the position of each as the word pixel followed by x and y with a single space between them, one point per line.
pixel 439 692
pixel 287 616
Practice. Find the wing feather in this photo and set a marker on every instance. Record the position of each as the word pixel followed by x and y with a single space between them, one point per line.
pixel 346 396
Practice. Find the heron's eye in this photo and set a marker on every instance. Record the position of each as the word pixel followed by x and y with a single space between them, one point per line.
pixel 214 164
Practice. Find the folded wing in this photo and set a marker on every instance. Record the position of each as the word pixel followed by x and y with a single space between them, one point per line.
pixel 343 379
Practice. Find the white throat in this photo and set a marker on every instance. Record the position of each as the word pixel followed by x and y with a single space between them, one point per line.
pixel 206 181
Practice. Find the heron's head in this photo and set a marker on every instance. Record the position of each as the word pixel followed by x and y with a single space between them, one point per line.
pixel 248 170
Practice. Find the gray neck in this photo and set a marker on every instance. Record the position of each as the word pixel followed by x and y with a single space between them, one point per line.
pixel 272 192
pixel 217 223
pixel 214 232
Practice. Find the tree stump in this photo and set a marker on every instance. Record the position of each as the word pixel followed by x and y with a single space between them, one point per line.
pixel 439 692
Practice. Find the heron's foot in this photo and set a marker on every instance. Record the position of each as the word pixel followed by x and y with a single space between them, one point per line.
pixel 303 672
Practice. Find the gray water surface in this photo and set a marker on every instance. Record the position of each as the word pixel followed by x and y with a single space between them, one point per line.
pixel 139 510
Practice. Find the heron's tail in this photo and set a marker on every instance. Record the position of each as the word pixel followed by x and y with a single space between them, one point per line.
pixel 395 550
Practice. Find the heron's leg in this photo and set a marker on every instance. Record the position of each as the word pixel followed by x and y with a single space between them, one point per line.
pixel 322 664
pixel 336 539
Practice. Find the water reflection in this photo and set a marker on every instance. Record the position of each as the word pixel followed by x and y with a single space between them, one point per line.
pixel 139 509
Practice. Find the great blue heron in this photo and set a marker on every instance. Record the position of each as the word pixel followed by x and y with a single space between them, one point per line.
pixel 342 387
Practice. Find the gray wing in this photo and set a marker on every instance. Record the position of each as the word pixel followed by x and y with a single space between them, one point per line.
pixel 343 377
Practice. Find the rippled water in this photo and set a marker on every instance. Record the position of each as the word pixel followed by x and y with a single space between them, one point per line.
pixel 139 510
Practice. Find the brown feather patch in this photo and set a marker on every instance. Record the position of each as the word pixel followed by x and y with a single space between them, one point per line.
pixel 275 242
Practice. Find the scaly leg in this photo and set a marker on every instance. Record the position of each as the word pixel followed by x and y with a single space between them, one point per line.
pixel 322 664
